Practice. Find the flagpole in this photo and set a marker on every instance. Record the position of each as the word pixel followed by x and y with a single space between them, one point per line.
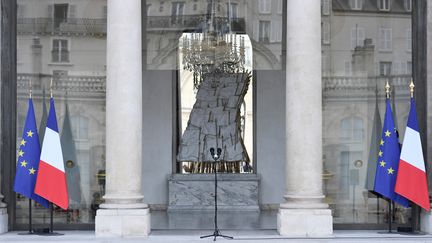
pixel 390 215
pixel 51 217
pixel 30 217
pixel 30 230
pixel 30 201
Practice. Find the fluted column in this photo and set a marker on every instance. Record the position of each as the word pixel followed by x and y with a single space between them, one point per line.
pixel 303 213
pixel 123 212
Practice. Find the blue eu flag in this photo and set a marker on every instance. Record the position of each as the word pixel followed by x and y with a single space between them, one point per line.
pixel 28 159
pixel 388 160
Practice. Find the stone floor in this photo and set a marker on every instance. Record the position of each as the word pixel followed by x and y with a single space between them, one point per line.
pixel 243 236
pixel 243 226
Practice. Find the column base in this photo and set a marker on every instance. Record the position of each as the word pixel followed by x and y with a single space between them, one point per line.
pixel 122 222
pixel 3 220
pixel 426 222
pixel 304 222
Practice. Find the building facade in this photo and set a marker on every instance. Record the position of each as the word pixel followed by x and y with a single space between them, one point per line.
pixel 118 76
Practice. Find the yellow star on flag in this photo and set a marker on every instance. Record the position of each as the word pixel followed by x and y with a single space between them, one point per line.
pixel 20 153
pixel 390 171
pixel 382 142
pixel 23 163
pixel 32 171
pixel 29 133
pixel 382 163
pixel 387 133
pixel 380 153
pixel 23 142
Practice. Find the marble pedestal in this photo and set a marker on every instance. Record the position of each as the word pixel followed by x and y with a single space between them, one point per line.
pixel 3 220
pixel 196 192
pixel 122 222
pixel 304 222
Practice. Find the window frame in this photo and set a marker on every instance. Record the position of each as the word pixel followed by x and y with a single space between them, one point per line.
pixel 385 39
pixel 68 45
pixel 384 5
pixel 356 4
pixel 264 6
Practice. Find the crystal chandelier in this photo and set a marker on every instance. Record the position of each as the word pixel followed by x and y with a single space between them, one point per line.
pixel 213 50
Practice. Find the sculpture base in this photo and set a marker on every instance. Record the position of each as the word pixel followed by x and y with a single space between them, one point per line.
pixel 122 222
pixel 237 192
pixel 304 222
pixel 3 220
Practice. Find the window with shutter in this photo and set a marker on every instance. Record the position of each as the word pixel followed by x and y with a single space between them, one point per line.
pixel 280 6
pixel 326 32
pixel 396 69
pixel 384 5
pixel 72 11
pixel 385 68
pixel 356 4
pixel 326 7
pixel 105 12
pixel 20 11
pixel 357 37
pixel 385 39
pixel 408 5
pixel 408 40
pixel 60 50
pixel 264 31
pixel 273 31
pixel 409 68
pixel 264 6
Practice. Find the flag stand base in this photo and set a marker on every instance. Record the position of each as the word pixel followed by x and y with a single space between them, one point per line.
pixel 49 231
pixel 46 232
pixel 27 233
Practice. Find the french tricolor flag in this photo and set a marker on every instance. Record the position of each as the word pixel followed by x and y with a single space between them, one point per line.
pixel 51 179
pixel 411 179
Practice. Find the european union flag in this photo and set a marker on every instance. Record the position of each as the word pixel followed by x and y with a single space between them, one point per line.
pixel 388 160
pixel 28 159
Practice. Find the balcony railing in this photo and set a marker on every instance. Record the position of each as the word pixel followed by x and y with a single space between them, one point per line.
pixel 183 22
pixel 62 26
pixel 84 84
pixel 353 83
pixel 87 26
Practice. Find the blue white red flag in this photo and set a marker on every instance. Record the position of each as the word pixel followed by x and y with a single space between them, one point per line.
pixel 51 179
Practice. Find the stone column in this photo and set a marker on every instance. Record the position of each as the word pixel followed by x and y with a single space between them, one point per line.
pixel 424 8
pixel 303 213
pixel 3 215
pixel 3 206
pixel 123 213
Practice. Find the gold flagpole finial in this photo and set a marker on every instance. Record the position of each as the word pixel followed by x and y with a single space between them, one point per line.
pixel 30 91
pixel 51 91
pixel 387 90
pixel 412 88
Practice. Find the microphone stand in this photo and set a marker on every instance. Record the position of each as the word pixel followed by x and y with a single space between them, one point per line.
pixel 216 232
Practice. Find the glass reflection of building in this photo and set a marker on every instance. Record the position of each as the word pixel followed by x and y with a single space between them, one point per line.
pixel 364 44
